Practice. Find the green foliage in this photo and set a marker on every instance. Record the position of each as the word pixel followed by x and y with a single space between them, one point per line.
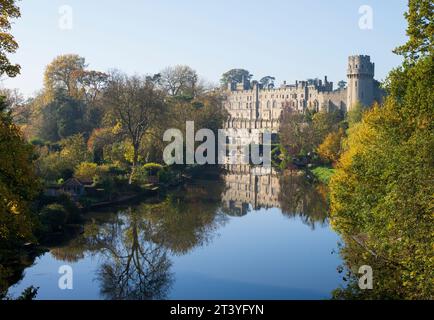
pixel 53 164
pixel 62 118
pixel 55 214
pixel 420 17
pixel 53 217
pixel 86 171
pixel 18 183
pixel 382 191
pixel 267 82
pixel 302 133
pixel 152 166
pixel 355 115
pixel 330 149
pixel 9 10
pixel 235 76
pixel 323 174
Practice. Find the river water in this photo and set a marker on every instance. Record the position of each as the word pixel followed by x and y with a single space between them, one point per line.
pixel 243 236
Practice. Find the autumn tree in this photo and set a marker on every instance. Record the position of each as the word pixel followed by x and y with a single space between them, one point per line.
pixel 330 149
pixel 136 105
pixel 61 74
pixel 90 85
pixel 18 183
pixel 179 80
pixel 8 10
pixel 381 193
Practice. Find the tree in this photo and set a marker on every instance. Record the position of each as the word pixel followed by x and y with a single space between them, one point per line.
pixel 90 85
pixel 342 84
pixel 324 123
pixel 8 10
pixel 136 105
pixel 355 115
pixel 62 74
pixel 17 105
pixel 74 149
pixel 381 193
pixel 420 18
pixel 18 182
pixel 297 134
pixel 267 82
pixel 179 80
pixel 63 117
pixel 235 76
pixel 330 149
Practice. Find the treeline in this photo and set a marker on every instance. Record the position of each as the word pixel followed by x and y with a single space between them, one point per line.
pixel 382 191
pixel 105 129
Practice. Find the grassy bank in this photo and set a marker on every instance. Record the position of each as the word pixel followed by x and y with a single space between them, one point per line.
pixel 323 174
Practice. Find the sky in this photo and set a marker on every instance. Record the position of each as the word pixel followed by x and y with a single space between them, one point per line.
pixel 288 39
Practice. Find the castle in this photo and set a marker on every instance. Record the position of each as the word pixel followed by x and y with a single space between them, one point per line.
pixel 257 109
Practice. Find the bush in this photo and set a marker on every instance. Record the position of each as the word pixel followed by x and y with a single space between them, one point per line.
pixel 330 149
pixel 86 171
pixel 152 168
pixel 53 217
pixel 323 174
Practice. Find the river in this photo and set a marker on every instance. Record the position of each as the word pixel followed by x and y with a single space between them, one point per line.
pixel 247 235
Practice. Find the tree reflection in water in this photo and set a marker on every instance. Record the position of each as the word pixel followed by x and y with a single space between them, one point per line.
pixel 299 197
pixel 136 243
pixel 135 267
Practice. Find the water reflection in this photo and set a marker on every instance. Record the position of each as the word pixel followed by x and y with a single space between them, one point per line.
pixel 255 188
pixel 135 246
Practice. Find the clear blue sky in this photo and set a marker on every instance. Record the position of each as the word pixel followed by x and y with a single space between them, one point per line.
pixel 284 38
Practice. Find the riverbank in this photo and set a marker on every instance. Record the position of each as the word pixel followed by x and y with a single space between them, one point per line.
pixel 323 174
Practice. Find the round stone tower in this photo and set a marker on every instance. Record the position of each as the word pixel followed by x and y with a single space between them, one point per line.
pixel 360 81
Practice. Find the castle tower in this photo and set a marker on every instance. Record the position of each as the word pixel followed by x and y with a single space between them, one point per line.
pixel 360 81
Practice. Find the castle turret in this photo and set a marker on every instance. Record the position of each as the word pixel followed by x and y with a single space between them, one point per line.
pixel 360 81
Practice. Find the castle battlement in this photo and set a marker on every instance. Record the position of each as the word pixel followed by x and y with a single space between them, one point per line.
pixel 252 107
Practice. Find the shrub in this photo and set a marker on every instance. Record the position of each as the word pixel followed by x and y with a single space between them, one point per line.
pixel 86 171
pixel 53 217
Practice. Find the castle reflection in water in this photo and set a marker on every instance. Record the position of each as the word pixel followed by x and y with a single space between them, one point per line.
pixel 249 186
pixel 255 188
